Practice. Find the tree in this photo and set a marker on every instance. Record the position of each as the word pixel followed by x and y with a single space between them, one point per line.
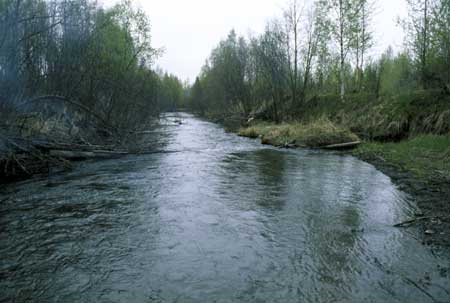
pixel 272 68
pixel 171 93
pixel 229 70
pixel 76 50
pixel 292 22
pixel 440 26
pixel 344 17
pixel 314 34
pixel 363 38
pixel 324 56
pixel 418 27
pixel 197 102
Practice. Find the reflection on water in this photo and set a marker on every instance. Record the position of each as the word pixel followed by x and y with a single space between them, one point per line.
pixel 218 219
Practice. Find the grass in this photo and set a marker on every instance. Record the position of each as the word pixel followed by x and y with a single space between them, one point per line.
pixel 388 118
pixel 425 156
pixel 318 133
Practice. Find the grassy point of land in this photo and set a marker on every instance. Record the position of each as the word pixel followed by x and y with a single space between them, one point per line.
pixel 315 134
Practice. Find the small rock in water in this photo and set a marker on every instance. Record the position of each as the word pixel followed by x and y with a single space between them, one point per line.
pixel 429 232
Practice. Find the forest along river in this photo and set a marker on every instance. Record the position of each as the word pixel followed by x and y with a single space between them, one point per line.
pixel 215 218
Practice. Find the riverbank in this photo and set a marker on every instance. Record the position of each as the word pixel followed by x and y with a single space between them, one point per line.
pixel 384 118
pixel 421 167
pixel 27 149
pixel 22 158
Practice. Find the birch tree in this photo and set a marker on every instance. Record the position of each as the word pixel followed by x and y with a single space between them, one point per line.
pixel 343 16
pixel 363 38
pixel 292 22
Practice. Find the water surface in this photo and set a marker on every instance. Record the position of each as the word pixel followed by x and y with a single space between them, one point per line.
pixel 215 218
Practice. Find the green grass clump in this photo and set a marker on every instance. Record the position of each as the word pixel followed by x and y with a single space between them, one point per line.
pixel 423 156
pixel 250 132
pixel 322 132
pixel 318 133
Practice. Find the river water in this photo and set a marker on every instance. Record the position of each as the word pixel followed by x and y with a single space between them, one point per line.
pixel 215 218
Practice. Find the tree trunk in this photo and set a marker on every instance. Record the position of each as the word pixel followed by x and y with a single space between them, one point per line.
pixel 294 93
pixel 424 46
pixel 341 45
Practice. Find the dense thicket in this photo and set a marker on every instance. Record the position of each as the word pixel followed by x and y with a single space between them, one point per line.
pixel 74 53
pixel 323 49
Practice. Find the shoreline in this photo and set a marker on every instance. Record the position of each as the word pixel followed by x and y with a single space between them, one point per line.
pixel 432 198
pixel 420 179
pixel 430 191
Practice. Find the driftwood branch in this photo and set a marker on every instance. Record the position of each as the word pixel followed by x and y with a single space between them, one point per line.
pixel 20 165
pixel 73 155
pixel 342 145
pixel 415 220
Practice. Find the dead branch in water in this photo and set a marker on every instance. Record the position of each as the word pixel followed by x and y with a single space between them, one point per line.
pixel 342 145
pixel 415 220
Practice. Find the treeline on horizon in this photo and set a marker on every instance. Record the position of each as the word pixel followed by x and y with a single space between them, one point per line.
pixel 56 54
pixel 324 49
pixel 77 53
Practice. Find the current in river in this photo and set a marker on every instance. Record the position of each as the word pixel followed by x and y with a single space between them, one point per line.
pixel 211 218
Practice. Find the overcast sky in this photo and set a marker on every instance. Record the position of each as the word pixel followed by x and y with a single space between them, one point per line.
pixel 189 29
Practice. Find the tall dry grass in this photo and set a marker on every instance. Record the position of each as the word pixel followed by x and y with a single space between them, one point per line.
pixel 318 133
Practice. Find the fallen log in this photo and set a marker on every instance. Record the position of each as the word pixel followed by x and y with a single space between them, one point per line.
pixel 79 155
pixel 71 146
pixel 415 220
pixel 342 145
pixel 20 166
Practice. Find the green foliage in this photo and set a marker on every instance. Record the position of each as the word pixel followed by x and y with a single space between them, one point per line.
pixel 428 29
pixel 387 117
pixel 396 74
pixel 384 96
pixel 171 93
pixel 196 99
pixel 99 58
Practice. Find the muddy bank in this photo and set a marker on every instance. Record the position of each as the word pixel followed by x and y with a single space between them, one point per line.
pixel 432 196
pixel 420 166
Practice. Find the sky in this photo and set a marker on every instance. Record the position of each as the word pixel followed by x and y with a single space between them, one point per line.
pixel 189 29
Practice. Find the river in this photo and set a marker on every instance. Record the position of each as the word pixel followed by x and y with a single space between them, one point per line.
pixel 215 218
